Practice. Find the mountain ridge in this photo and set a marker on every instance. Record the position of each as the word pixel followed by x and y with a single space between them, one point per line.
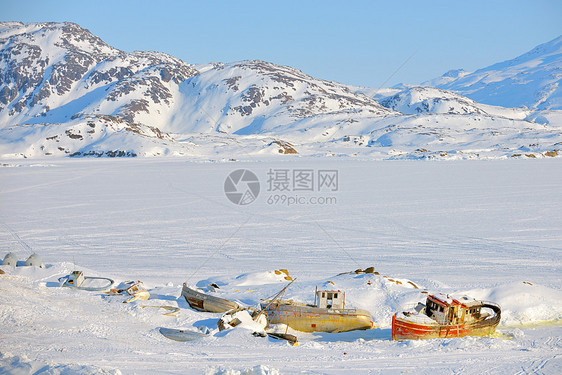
pixel 65 92
pixel 532 79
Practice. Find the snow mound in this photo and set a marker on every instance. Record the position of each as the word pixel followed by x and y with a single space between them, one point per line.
pixel 262 278
pixel 523 303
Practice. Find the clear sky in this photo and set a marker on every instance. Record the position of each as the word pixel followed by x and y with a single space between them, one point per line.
pixel 362 43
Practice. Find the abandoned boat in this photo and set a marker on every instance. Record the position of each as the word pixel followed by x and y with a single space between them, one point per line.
pixel 443 316
pixel 328 314
pixel 204 302
pixel 34 260
pixel 10 260
pixel 77 280
pixel 184 335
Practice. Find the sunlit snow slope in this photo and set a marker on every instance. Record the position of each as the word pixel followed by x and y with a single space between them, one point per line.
pixel 65 92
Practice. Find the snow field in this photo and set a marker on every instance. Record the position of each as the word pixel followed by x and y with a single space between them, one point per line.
pixel 489 229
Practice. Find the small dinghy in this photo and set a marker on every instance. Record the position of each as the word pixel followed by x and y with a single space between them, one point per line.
pixel 184 334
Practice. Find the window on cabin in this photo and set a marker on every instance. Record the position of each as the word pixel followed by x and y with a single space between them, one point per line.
pixel 335 295
pixel 441 308
pixel 323 294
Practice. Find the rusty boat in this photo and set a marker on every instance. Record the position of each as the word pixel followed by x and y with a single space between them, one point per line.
pixel 444 317
pixel 204 302
pixel 328 314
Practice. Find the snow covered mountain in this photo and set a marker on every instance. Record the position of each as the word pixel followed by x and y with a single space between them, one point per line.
pixel 430 100
pixel 532 80
pixel 422 99
pixel 52 71
pixel 65 92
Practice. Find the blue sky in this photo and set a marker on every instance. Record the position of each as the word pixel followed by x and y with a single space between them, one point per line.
pixel 353 42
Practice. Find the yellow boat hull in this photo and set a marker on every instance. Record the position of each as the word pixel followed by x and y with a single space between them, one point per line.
pixel 314 319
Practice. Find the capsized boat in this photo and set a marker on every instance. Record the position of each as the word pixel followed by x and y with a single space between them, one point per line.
pixel 184 334
pixel 10 260
pixel 34 260
pixel 443 316
pixel 328 314
pixel 205 302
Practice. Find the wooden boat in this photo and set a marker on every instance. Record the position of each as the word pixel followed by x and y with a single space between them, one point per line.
pixel 328 314
pixel 443 317
pixel 205 302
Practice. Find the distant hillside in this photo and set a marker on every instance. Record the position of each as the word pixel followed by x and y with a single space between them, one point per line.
pixel 65 92
pixel 533 79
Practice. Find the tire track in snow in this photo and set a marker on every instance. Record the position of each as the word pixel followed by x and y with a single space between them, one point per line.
pixel 57 182
pixel 18 239
pixel 537 366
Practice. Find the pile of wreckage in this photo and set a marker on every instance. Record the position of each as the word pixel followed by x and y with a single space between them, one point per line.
pixel 439 317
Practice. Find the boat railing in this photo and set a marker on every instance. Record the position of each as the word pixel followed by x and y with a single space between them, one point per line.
pixel 346 311
pixel 334 311
pixel 492 305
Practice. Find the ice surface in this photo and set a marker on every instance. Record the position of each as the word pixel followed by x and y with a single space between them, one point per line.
pixel 487 229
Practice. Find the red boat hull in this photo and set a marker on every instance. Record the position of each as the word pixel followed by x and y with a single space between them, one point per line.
pixel 403 329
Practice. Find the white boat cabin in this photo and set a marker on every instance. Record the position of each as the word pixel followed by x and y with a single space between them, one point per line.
pixel 330 299
pixel 446 310
pixel 75 279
